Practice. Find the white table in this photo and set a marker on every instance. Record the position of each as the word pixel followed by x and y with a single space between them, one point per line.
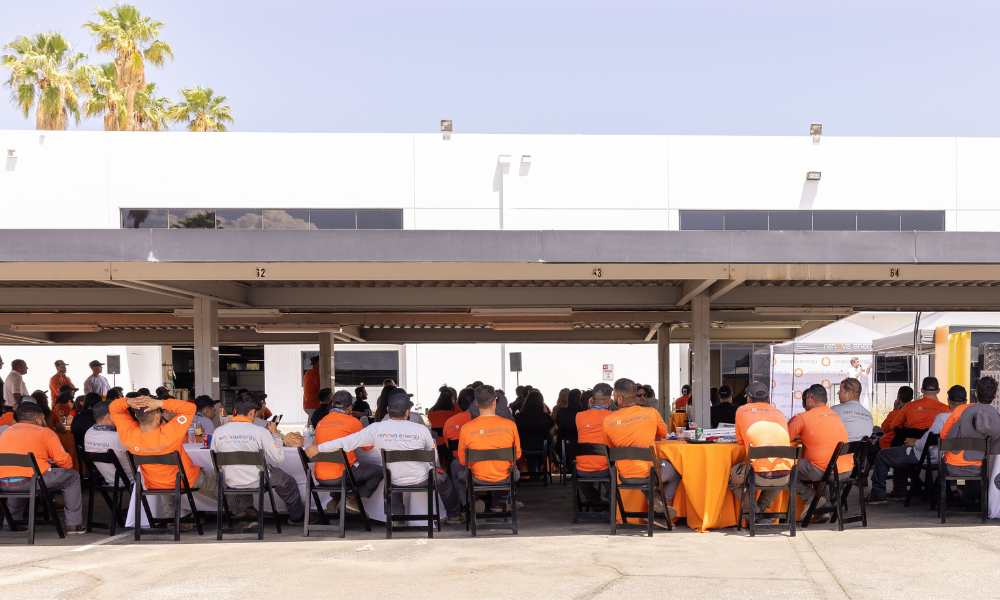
pixel 994 494
pixel 374 506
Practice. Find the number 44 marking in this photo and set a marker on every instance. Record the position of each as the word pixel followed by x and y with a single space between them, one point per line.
pixel 260 273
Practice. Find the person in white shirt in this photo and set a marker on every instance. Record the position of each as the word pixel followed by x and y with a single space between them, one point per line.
pixel 14 387
pixel 96 382
pixel 400 433
pixel 899 458
pixel 857 420
pixel 206 414
pixel 103 436
pixel 241 435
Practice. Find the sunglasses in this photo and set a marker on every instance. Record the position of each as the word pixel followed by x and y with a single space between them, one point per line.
pixel 641 394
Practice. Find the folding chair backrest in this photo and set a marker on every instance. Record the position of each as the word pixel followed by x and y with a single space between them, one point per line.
pixel 787 452
pixel 438 432
pixel 172 459
pixel 252 459
pixel 631 453
pixel 584 449
pixel 504 454
pixel 393 456
pixel 453 445
pixel 17 460
pixel 900 434
pixel 961 444
pixel 853 447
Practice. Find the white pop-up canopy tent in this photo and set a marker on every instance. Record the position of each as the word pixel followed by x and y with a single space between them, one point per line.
pixel 900 342
pixel 842 337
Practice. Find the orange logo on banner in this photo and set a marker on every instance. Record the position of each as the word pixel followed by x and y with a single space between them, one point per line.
pixel 798 372
pixel 797 395
pixel 774 362
pixel 826 383
pixel 774 384
pixel 825 361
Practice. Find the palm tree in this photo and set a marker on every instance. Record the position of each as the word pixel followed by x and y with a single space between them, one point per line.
pixel 130 37
pixel 202 110
pixel 105 99
pixel 44 74
pixel 152 112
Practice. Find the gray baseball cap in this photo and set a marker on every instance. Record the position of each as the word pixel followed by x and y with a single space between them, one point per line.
pixel 757 391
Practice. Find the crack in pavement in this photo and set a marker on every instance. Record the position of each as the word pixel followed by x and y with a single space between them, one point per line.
pixel 606 584
pixel 816 567
pixel 83 589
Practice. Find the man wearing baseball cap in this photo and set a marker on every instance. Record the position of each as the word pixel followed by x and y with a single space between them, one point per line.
pixel 338 422
pixel 758 423
pixel 59 379
pixel 920 414
pixel 96 382
pixel 103 437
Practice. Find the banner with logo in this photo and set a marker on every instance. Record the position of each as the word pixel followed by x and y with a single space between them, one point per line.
pixel 791 374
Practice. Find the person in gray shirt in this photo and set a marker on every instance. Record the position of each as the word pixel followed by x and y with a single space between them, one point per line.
pixel 857 420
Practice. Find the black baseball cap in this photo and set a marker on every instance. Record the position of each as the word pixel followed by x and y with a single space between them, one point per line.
pixel 102 408
pixel 96 363
pixel 930 384
pixel 400 401
pixel 67 388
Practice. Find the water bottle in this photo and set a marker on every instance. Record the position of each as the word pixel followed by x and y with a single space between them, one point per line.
pixel 308 435
pixel 191 439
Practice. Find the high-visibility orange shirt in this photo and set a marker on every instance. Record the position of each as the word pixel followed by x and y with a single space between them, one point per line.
pixel 919 414
pixel 334 426
pixel 682 402
pixel 453 426
pixel 58 412
pixel 165 439
pixel 57 381
pixel 633 426
pixel 590 430
pixel 22 438
pixel 761 424
pixel 7 418
pixel 439 417
pixel 310 389
pixel 950 457
pixel 887 431
pixel 820 429
pixel 489 432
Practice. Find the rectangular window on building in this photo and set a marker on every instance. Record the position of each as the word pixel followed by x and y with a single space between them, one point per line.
pixel 354 368
pixel 287 219
pixel 746 220
pixel 702 220
pixel 835 220
pixel 790 220
pixel 878 220
pixel 931 220
pixel 192 219
pixel 238 219
pixel 380 219
pixel 255 218
pixel 144 218
pixel 333 219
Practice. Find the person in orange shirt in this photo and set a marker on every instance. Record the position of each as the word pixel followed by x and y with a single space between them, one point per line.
pixel 59 379
pixel 820 430
pixel 590 430
pixel 453 430
pixel 974 421
pixel 30 435
pixel 761 424
pixel 336 424
pixel 489 432
pixel 154 435
pixel 919 414
pixel 634 425
pixel 682 402
pixel 310 388
pixel 444 409
pixel 903 397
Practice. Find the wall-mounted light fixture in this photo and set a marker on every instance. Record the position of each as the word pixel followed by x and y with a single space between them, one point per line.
pixel 446 129
pixel 504 160
pixel 816 130
pixel 11 153
pixel 526 158
pixel 813 176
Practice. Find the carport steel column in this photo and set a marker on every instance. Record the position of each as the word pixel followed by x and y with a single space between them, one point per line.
pixel 663 365
pixel 702 364
pixel 206 347
pixel 326 373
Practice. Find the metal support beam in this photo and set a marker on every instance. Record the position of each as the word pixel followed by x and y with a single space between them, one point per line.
pixel 166 365
pixel 652 330
pixel 701 369
pixel 693 288
pixel 663 364
pixel 326 372
pixel 719 288
pixel 206 348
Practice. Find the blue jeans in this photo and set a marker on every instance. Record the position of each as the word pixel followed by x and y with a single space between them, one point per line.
pixel 895 458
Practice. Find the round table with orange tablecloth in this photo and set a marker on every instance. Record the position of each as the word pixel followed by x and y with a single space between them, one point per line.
pixel 677 419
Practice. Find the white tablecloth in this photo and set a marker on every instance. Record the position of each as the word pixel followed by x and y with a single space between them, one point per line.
pixel 994 496
pixel 374 506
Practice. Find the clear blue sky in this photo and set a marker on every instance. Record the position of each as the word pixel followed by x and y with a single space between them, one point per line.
pixel 766 67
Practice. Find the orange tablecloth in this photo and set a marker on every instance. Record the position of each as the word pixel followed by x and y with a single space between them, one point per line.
pixel 677 420
pixel 702 496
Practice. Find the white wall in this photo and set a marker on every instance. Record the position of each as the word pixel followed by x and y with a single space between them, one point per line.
pixel 41 364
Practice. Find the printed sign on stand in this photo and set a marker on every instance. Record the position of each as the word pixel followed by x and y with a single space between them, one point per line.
pixel 609 372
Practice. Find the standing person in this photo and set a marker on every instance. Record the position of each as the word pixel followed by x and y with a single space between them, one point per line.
pixel 400 433
pixel 310 388
pixel 325 396
pixel 361 401
pixel 590 430
pixel 96 382
pixel 241 435
pixel 59 379
pixel 336 424
pixel 30 435
pixel 902 458
pixel 14 387
pixel 820 430
pixel 857 420
pixel 533 427
pixel 761 424
pixel 725 410
pixel 682 402
pixel 102 437
pixel 489 432
pixel 633 425
pixel 903 396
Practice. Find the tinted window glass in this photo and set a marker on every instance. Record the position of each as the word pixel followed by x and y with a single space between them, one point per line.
pixel 192 219
pixel 144 219
pixel 380 219
pixel 333 219
pixel 878 220
pixel 790 220
pixel 286 219
pixel 238 219
pixel 923 221
pixel 746 220
pixel 702 220
pixel 834 220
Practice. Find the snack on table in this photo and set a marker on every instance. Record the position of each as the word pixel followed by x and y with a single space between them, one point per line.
pixel 293 440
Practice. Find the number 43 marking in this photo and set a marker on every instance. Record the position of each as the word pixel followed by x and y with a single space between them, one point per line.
pixel 260 273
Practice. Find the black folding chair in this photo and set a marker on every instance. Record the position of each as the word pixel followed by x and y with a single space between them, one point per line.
pixel 841 486
pixel 927 468
pixel 546 475
pixel 444 451
pixel 35 489
pixel 117 489
pixel 181 486
pixel 900 434
pixel 650 486
pixel 960 445
pixel 567 466
pixel 748 494
pixel 583 508
pixel 472 488
pixel 248 459
pixel 345 486
pixel 433 514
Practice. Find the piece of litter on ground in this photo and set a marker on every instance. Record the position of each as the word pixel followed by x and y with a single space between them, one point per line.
pixel 365 548
pixel 421 542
